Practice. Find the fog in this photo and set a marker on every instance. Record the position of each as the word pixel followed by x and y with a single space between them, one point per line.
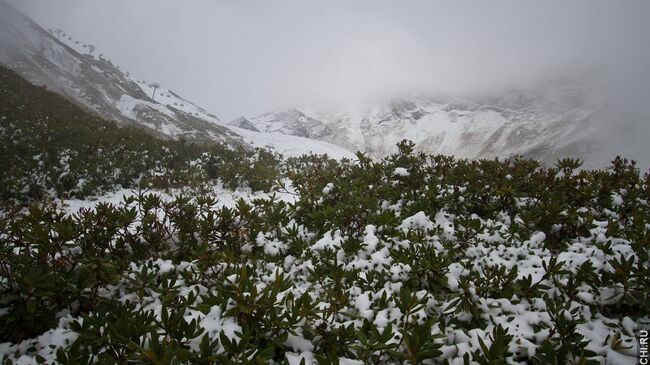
pixel 249 57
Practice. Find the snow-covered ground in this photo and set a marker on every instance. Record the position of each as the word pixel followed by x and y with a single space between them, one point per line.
pixel 379 274
pixel 292 146
pixel 170 99
pixel 225 197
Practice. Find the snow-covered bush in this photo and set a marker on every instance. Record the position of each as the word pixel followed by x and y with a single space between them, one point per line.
pixel 479 262
pixel 51 147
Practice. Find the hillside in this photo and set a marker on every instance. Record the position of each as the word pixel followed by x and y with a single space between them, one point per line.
pixel 138 228
pixel 555 119
pixel 547 122
pixel 52 147
pixel 413 258
pixel 93 82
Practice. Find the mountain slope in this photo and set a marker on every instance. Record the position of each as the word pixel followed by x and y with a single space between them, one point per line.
pixel 94 83
pixel 544 123
pixel 100 86
pixel 51 147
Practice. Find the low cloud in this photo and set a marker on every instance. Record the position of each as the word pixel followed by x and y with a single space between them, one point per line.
pixel 249 57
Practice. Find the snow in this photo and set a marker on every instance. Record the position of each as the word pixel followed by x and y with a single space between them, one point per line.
pixel 329 241
pixel 503 127
pixel 299 344
pixel 296 358
pixel 46 343
pixel 370 240
pixel 617 200
pixel 400 171
pixel 127 105
pixel 346 361
pixel 291 146
pixel 230 328
pixel 519 317
pixel 417 221
pixel 225 197
pixel 328 188
pixel 272 247
pixel 362 304
pixel 171 100
pixel 462 128
pixel 536 239
pixel 212 321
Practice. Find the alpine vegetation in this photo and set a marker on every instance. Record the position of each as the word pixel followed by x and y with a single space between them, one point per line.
pixel 413 258
pixel 437 184
pixel 65 151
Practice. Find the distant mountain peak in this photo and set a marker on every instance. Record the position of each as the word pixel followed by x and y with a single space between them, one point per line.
pixel 70 68
pixel 550 121
pixel 545 124
pixel 58 63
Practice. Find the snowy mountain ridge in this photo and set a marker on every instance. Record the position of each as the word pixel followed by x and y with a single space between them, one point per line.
pixel 545 123
pixel 97 84
pixel 94 82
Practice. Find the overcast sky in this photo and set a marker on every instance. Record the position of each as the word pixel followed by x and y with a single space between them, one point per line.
pixel 248 57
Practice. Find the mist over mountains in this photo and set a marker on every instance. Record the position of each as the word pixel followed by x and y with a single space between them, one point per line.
pixel 301 182
pixel 545 123
pixel 587 112
pixel 63 65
